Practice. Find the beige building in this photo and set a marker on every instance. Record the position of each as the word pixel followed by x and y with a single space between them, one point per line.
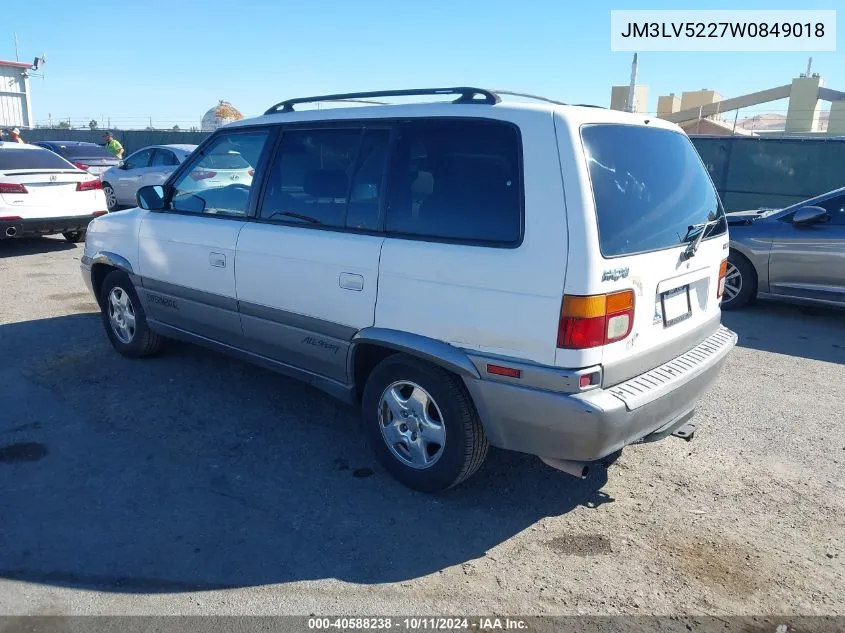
pixel 619 98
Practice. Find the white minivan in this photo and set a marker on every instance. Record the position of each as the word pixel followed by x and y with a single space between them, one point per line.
pixel 541 278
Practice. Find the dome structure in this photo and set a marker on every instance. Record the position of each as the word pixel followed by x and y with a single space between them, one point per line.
pixel 221 114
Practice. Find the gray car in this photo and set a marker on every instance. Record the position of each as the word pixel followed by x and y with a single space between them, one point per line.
pixel 151 165
pixel 796 254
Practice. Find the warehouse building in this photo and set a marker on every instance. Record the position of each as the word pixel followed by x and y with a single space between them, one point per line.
pixel 15 104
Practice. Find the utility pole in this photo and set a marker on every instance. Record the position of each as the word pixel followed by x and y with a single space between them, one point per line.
pixel 17 57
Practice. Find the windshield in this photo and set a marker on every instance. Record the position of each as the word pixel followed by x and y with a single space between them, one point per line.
pixel 650 187
pixel 16 158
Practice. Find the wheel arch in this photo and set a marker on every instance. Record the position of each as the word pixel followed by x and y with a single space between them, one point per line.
pixel 372 345
pixel 102 263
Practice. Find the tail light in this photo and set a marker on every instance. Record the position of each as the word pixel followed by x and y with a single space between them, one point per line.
pixel 251 173
pixel 591 321
pixel 97 214
pixel 9 187
pixel 9 218
pixel 203 174
pixel 81 166
pixel 89 185
pixel 723 270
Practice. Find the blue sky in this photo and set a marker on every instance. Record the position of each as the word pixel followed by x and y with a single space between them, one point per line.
pixel 171 60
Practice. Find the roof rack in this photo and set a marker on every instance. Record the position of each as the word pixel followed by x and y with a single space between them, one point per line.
pixel 528 96
pixel 465 95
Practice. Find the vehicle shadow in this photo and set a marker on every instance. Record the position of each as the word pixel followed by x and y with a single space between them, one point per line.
pixel 33 246
pixel 809 332
pixel 193 471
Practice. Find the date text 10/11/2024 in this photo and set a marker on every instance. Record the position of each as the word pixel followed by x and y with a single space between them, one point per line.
pixel 417 624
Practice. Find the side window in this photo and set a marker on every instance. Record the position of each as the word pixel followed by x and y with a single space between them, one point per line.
pixel 219 180
pixel 327 177
pixel 138 159
pixel 163 158
pixel 456 180
pixel 836 208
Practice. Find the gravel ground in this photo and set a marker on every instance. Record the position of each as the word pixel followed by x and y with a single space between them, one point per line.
pixel 192 483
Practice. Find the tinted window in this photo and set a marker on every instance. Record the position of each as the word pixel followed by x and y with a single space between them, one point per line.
pixel 12 158
pixel 311 176
pixel 164 157
pixel 203 189
pixel 650 188
pixel 85 150
pixel 456 180
pixel 139 159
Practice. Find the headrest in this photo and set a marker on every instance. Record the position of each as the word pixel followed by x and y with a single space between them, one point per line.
pixel 326 183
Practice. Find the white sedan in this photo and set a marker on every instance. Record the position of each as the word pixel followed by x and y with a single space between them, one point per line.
pixel 43 194
pixel 151 165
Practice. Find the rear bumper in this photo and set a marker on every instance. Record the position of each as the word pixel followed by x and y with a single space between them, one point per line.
pixel 43 226
pixel 590 425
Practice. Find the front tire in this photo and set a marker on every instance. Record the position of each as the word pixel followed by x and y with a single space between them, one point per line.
pixel 422 424
pixel 740 282
pixel 124 318
pixel 74 237
pixel 111 197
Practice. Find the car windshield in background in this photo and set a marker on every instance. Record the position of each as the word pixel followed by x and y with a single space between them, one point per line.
pixel 15 158
pixel 651 190
pixel 84 151
pixel 229 160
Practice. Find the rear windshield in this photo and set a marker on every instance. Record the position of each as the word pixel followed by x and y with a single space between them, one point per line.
pixel 16 158
pixel 84 151
pixel 229 160
pixel 651 189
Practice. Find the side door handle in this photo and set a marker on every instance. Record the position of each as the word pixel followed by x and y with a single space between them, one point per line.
pixel 351 281
pixel 218 260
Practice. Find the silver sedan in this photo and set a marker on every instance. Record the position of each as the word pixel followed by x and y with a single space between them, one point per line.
pixel 795 254
pixel 151 165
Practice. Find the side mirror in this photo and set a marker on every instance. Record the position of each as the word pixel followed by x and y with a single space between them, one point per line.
pixel 151 197
pixel 121 165
pixel 809 215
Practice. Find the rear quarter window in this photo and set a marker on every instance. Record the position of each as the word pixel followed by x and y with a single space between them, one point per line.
pixel 650 188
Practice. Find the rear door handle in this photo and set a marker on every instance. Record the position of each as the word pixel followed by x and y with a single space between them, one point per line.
pixel 351 281
pixel 218 260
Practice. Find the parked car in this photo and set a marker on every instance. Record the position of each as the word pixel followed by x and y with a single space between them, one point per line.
pixel 148 166
pixel 90 157
pixel 43 194
pixel 795 254
pixel 545 279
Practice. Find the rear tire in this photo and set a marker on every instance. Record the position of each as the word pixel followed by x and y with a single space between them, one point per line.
pixel 740 282
pixel 74 237
pixel 111 197
pixel 124 318
pixel 422 424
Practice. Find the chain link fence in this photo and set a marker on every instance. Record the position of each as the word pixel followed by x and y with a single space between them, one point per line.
pixel 754 172
pixel 131 140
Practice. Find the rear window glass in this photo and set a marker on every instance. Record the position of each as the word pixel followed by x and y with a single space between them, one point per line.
pixel 84 151
pixel 16 158
pixel 229 160
pixel 650 188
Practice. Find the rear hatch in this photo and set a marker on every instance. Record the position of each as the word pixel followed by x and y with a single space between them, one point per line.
pixel 658 235
pixel 219 170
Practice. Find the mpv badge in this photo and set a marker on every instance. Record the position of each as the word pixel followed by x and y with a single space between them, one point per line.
pixel 615 274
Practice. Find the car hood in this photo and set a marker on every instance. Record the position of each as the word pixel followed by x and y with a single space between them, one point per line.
pixel 738 218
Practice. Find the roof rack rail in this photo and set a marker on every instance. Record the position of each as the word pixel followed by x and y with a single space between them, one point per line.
pixel 589 105
pixel 528 96
pixel 465 95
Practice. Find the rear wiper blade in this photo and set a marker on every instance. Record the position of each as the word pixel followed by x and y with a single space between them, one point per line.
pixel 692 249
